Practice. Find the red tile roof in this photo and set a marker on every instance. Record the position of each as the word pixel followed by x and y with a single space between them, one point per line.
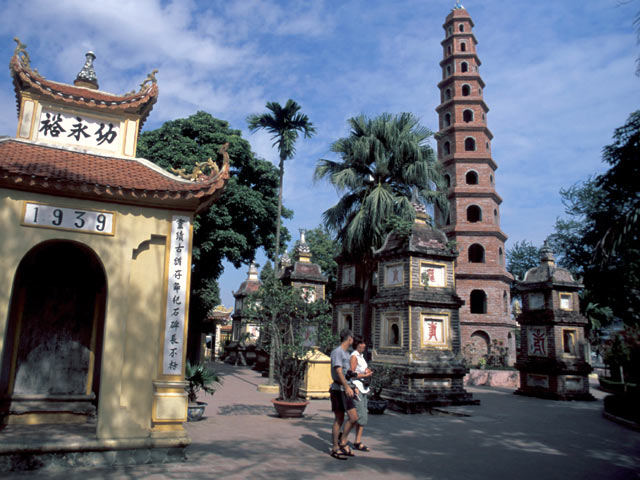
pixel 26 79
pixel 247 287
pixel 56 171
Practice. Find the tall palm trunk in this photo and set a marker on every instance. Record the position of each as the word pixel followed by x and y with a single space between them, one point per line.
pixel 367 290
pixel 272 364
pixel 278 220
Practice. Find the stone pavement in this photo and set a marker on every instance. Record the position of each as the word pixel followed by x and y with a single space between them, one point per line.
pixel 507 436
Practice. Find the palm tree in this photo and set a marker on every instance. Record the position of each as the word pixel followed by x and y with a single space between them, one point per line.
pixel 384 162
pixel 284 125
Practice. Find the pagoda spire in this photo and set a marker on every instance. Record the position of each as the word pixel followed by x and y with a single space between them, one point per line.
pixel 473 221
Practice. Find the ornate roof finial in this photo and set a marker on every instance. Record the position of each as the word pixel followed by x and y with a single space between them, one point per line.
pixel 421 211
pixel 546 254
pixel 458 6
pixel 418 206
pixel 151 79
pixel 285 260
pixel 253 272
pixel 21 51
pixel 87 76
pixel 303 252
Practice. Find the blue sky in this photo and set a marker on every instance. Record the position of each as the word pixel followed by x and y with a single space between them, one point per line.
pixel 559 78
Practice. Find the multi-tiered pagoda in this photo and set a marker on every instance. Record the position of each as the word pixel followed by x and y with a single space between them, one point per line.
pixel 473 220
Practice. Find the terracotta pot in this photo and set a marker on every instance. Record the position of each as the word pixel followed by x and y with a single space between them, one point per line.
pixel 290 409
pixel 195 412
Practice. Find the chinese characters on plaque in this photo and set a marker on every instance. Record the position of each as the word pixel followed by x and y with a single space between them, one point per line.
pixel 176 296
pixel 308 294
pixel 432 275
pixel 434 331
pixel 394 275
pixel 537 341
pixel 63 127
pixel 349 275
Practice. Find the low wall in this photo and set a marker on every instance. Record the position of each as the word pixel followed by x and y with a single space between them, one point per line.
pixel 493 378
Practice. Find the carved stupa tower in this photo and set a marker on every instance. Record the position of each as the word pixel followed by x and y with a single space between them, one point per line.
pixel 464 148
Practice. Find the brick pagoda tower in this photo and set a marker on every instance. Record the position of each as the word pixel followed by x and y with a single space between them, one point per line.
pixel 464 148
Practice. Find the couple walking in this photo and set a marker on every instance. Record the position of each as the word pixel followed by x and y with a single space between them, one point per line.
pixel 348 394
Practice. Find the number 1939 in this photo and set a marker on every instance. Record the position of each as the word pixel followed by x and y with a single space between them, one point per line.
pixel 49 216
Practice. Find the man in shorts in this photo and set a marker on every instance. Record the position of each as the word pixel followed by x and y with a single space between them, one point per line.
pixel 342 396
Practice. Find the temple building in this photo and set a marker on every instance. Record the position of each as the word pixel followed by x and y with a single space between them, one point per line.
pixel 554 355
pixel 473 220
pixel 302 273
pixel 241 322
pixel 416 324
pixel 96 264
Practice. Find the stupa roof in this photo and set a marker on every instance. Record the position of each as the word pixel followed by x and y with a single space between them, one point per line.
pixel 548 272
pixel 251 284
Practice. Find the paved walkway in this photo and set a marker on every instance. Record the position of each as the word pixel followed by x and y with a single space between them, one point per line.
pixel 507 436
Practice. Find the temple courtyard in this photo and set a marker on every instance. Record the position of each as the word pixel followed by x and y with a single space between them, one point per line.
pixel 506 436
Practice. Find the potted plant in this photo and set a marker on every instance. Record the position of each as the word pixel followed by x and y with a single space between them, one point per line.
pixel 285 313
pixel 200 378
pixel 383 376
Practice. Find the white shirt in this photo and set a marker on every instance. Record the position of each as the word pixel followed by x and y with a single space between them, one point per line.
pixel 361 367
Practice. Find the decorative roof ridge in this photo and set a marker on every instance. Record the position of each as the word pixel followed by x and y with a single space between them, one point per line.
pixel 224 171
pixel 24 76
pixel 17 66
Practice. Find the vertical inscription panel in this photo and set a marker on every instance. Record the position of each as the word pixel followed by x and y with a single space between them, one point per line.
pixel 176 296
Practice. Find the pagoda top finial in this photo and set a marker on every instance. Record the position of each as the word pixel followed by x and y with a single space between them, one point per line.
pixel 87 76
pixel 303 252
pixel 252 273
pixel 458 6
pixel 546 254
pixel 285 260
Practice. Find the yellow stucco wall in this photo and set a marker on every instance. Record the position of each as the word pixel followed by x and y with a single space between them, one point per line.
pixel 134 264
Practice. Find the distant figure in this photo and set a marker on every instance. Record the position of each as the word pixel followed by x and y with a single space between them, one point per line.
pixel 360 367
pixel 342 394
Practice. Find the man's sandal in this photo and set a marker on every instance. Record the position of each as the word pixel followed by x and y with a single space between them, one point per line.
pixel 360 446
pixel 346 450
pixel 338 454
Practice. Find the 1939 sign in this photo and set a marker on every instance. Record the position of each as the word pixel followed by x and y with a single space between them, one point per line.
pixel 73 219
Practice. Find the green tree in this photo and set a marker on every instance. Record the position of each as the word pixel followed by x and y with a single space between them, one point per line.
pixel 600 239
pixel 234 227
pixel 521 257
pixel 266 272
pixel 286 316
pixel 284 123
pixel 384 162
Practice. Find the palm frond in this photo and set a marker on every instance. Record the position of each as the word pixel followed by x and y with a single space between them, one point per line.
pixel 382 162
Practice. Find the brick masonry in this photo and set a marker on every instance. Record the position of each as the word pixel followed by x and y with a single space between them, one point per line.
pixel 462 91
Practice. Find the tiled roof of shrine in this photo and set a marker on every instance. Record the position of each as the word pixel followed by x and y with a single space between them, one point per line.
pixel 57 171
pixel 423 239
pixel 548 272
pixel 304 271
